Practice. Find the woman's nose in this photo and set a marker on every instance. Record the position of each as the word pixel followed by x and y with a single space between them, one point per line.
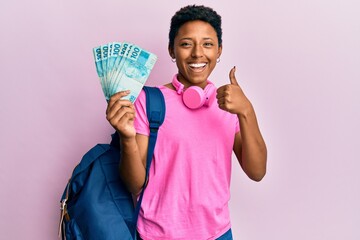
pixel 197 51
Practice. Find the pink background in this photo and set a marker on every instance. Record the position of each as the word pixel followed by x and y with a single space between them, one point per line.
pixel 297 61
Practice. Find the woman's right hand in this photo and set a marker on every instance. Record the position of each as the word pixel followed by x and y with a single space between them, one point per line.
pixel 121 114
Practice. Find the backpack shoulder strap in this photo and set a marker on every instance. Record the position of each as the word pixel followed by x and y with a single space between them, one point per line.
pixel 155 110
pixel 92 155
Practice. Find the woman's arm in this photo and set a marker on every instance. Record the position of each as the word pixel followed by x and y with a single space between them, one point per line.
pixel 121 114
pixel 133 162
pixel 249 145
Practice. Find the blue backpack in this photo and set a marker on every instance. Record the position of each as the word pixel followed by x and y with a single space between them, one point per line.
pixel 95 204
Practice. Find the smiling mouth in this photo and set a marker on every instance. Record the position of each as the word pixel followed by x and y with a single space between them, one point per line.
pixel 197 66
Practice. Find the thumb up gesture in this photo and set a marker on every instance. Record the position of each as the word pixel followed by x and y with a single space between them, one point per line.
pixel 231 98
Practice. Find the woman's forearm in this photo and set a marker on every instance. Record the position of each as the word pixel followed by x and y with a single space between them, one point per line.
pixel 253 147
pixel 131 167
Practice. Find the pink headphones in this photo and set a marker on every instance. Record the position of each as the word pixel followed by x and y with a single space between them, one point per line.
pixel 195 97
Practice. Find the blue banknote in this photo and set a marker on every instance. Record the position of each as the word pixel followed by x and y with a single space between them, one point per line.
pixel 135 71
pixel 99 69
pixel 114 53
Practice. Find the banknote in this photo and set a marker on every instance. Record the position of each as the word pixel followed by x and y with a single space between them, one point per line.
pixel 123 66
pixel 104 56
pixel 99 69
pixel 109 52
pixel 114 53
pixel 135 71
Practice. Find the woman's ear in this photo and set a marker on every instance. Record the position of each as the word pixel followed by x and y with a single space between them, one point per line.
pixel 219 51
pixel 171 52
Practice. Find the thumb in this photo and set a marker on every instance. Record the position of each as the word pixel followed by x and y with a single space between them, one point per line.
pixel 232 77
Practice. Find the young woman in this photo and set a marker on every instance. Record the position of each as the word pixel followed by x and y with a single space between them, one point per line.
pixel 188 190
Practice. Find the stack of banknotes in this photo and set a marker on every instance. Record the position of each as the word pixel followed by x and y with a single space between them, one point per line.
pixel 123 66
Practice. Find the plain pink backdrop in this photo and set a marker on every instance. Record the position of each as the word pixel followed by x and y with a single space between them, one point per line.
pixel 297 61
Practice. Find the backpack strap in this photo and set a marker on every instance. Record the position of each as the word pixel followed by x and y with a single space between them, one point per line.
pixel 91 156
pixel 155 110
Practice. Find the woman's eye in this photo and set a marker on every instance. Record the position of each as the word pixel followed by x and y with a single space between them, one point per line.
pixel 208 44
pixel 185 44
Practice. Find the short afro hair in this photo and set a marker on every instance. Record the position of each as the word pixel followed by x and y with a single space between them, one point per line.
pixel 193 13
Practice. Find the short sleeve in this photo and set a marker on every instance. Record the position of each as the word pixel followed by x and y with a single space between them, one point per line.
pixel 141 122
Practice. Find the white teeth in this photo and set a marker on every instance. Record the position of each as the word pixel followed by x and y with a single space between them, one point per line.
pixel 197 65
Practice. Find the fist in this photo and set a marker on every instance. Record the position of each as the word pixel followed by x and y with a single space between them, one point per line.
pixel 121 115
pixel 231 98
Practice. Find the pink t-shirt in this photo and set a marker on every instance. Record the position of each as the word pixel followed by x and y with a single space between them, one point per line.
pixel 188 191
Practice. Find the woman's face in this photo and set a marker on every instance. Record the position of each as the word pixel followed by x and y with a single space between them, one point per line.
pixel 196 50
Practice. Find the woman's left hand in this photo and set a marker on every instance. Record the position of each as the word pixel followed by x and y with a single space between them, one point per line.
pixel 231 97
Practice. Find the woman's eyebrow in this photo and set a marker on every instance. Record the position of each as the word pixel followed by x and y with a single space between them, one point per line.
pixel 189 38
pixel 186 38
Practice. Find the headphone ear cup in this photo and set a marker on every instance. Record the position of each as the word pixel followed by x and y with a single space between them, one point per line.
pixel 194 97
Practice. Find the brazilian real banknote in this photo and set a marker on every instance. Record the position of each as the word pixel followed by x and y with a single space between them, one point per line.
pixel 123 66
